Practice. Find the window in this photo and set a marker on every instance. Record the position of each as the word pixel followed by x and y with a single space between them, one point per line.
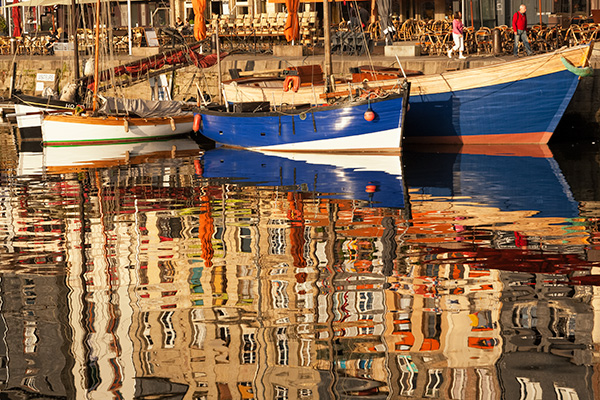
pixel 245 236
pixel 279 294
pixel 408 375
pixel 248 348
pixel 434 383
pixel 168 330
pixel 283 348
pixel 277 240
pixel 146 332
pixel 199 327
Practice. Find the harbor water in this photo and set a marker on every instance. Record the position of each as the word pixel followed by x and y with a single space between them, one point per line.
pixel 162 270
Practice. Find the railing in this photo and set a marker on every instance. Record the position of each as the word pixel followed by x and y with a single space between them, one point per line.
pixel 262 31
pixel 435 37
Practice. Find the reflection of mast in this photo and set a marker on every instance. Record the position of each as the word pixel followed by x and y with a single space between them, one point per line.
pixel 98 301
pixel 329 291
pixel 76 261
pixel 206 230
pixel 296 218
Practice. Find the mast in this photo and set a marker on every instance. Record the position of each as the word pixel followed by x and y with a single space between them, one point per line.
pixel 96 50
pixel 75 47
pixel 327 39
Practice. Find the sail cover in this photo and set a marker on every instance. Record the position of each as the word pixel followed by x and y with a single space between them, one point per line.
pixel 141 108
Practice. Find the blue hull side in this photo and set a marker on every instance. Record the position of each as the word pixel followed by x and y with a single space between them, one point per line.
pixel 526 111
pixel 328 128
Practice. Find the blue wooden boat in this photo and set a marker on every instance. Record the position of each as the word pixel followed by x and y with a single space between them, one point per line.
pixel 519 101
pixel 353 124
pixel 515 102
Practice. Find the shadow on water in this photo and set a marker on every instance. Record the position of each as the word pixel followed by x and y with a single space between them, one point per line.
pixel 170 272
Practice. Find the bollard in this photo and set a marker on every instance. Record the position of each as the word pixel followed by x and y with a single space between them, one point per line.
pixel 496 41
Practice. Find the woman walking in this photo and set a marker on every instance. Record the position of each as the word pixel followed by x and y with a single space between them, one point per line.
pixel 457 35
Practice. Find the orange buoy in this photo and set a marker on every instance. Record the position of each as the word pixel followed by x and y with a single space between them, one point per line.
pixel 197 119
pixel 369 115
pixel 371 188
pixel 291 82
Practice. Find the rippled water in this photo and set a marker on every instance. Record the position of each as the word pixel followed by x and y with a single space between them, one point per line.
pixel 161 271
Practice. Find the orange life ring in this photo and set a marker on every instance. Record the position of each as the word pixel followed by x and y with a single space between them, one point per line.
pixel 291 82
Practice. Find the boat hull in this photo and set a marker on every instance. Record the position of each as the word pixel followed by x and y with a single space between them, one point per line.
pixel 320 129
pixel 30 112
pixel 523 111
pixel 513 102
pixel 70 130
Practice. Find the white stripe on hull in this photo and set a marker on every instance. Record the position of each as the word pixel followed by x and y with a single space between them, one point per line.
pixel 385 140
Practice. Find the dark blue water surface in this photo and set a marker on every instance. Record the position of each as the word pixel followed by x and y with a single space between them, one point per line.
pixel 165 271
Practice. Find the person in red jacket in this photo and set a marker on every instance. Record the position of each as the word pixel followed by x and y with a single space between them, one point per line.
pixel 519 24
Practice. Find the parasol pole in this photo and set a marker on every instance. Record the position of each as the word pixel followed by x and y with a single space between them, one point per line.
pixel 472 23
pixel 540 7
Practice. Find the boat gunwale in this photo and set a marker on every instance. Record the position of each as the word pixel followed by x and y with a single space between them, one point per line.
pixel 117 121
pixel 297 112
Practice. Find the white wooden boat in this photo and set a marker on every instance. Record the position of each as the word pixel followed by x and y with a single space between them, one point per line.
pixel 80 130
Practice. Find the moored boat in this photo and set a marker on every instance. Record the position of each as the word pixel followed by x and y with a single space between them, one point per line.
pixel 519 101
pixel 69 130
pixel 30 110
pixel 352 125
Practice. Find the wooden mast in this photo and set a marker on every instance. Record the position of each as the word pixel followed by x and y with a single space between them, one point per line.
pixel 327 39
pixel 75 47
pixel 96 50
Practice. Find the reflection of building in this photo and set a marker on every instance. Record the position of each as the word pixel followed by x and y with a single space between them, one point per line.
pixel 547 327
pixel 34 345
pixel 201 288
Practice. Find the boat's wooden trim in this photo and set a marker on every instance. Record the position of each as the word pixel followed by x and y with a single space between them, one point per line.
pixel 509 138
pixel 118 121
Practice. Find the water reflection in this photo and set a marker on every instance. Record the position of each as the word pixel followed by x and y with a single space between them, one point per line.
pixel 232 274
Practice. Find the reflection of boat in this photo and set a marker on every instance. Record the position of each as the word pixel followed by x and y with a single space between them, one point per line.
pixel 519 101
pixel 513 178
pixel 376 178
pixel 64 159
